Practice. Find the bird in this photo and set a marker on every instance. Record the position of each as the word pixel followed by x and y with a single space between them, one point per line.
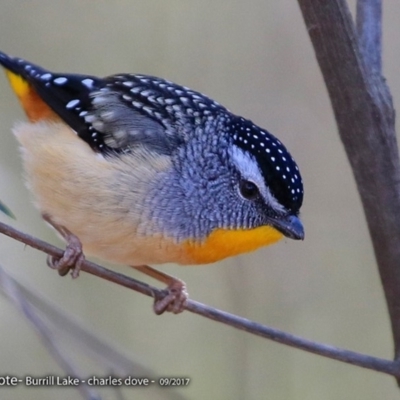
pixel 137 170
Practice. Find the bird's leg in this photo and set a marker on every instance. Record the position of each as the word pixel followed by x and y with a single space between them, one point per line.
pixel 73 256
pixel 177 295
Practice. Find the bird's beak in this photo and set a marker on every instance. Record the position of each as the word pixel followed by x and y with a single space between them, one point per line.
pixel 290 226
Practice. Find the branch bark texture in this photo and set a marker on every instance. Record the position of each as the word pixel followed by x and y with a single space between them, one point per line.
pixel 365 117
pixel 369 29
pixel 335 353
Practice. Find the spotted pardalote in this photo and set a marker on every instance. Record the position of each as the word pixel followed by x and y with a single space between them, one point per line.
pixel 144 171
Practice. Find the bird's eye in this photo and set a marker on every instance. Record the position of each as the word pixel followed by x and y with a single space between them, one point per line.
pixel 248 190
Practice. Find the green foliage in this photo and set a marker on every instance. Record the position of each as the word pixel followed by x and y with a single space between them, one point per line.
pixel 6 210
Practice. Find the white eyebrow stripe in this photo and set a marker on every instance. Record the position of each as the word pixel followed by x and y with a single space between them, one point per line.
pixel 247 166
pixel 249 170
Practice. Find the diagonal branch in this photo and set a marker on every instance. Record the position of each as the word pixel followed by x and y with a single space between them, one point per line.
pixel 347 356
pixel 12 291
pixel 365 117
pixel 50 322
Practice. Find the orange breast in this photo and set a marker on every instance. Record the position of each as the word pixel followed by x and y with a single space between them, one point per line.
pixel 223 243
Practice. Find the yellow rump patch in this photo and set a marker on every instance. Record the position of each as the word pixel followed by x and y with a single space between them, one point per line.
pixel 223 243
pixel 20 86
pixel 35 108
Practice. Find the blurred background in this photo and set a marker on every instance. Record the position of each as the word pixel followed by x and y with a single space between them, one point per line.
pixel 255 58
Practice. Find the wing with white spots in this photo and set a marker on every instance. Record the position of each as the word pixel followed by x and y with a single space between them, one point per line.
pixel 131 109
pixel 68 95
pixel 116 113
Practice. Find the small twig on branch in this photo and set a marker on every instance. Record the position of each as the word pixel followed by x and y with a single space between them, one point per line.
pixel 347 356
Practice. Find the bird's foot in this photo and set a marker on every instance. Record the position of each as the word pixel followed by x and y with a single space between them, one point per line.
pixel 71 260
pixel 175 299
pixel 73 256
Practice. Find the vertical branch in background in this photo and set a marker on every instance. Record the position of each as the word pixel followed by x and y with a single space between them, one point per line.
pixel 369 29
pixel 362 104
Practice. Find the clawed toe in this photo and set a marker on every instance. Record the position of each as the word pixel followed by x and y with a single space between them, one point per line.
pixel 175 299
pixel 71 260
pixel 73 256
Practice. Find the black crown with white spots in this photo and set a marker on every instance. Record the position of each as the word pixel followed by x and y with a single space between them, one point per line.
pixel 278 167
pixel 114 113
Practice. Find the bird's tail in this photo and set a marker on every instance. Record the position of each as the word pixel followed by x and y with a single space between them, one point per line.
pixel 20 73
